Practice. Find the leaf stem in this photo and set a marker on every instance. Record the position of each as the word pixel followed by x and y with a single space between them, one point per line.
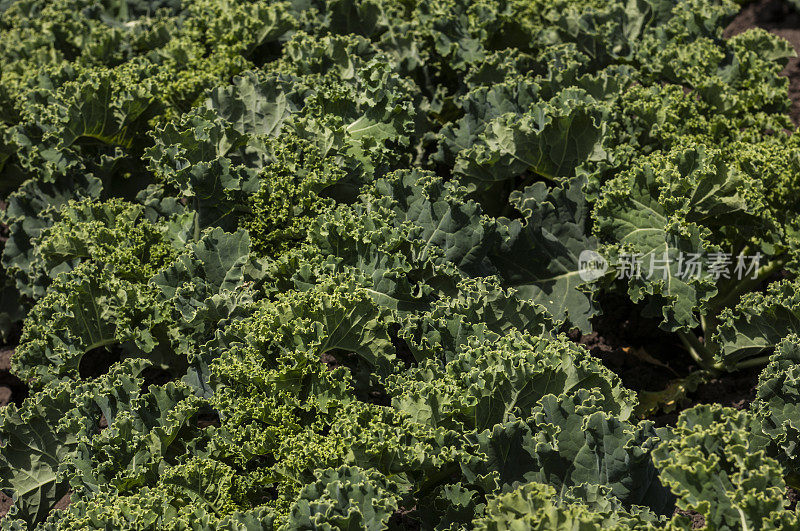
pixel 196 219
pixel 690 342
pixel 745 527
pixel 699 351
pixel 748 284
pixel 753 362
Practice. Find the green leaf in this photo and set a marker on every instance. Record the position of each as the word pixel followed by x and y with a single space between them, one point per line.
pixel 759 322
pixel 345 498
pixel 540 255
pixel 777 404
pixel 549 140
pixel 33 447
pixel 714 467
pixel 576 442
pixel 633 220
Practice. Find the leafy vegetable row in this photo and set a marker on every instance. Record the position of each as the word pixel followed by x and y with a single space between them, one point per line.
pixel 311 264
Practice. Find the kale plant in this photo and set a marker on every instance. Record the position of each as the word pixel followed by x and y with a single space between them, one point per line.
pixel 320 264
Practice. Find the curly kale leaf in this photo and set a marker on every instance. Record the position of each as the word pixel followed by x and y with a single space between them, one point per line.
pixel 540 255
pixel 777 403
pixel 715 467
pixel 344 498
pixel 32 208
pixel 670 211
pixel 540 506
pixel 575 441
pixel 34 446
pixel 550 140
pixel 498 379
pixel 759 322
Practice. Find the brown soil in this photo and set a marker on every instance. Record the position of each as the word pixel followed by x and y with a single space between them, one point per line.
pixel 792 497
pixel 5 504
pixel 781 19
pixel 648 359
pixel 11 388
pixel 698 520
pixel 734 390
pixel 63 503
pixel 405 519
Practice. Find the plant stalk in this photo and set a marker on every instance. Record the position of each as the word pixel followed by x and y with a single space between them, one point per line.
pixel 196 219
pixel 697 350
pixel 748 284
pixel 753 362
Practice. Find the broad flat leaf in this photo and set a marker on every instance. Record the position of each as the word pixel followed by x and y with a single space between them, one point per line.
pixel 218 258
pixel 539 256
pixel 576 443
pixel 253 105
pixel 549 140
pixel 32 450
